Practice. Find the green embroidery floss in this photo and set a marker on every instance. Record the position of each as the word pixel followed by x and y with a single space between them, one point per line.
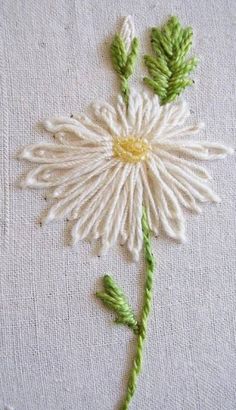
pixel 150 266
pixel 106 196
pixel 169 72
pixel 114 299
pixel 169 69
pixel 124 62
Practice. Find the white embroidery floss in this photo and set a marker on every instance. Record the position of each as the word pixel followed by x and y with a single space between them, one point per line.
pixel 134 172
pixel 136 155
pixel 127 32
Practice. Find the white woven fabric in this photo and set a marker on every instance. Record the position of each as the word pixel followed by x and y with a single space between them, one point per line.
pixel 59 349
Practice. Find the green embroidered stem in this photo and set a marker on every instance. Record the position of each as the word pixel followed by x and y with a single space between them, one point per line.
pixel 150 266
pixel 169 69
pixel 124 62
pixel 113 297
pixel 115 300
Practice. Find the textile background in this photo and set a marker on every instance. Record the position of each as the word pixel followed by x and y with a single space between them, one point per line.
pixel 59 349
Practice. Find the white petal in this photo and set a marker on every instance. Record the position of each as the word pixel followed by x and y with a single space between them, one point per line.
pixel 73 196
pixel 110 224
pixel 46 176
pixel 70 126
pixel 127 32
pixel 170 213
pixel 107 116
pixel 169 117
pixel 176 114
pixel 50 175
pixel 148 113
pixel 50 153
pixel 151 115
pixel 127 217
pixel 62 208
pixel 197 150
pixel 199 189
pixel 157 120
pixel 122 115
pixel 183 195
pixel 97 205
pixel 180 132
pixel 135 112
pixel 108 218
pixel 92 125
pixel 149 202
pixel 117 221
pixel 135 237
pixel 130 226
pixel 76 198
pixel 216 151
pixel 64 190
pixel 188 165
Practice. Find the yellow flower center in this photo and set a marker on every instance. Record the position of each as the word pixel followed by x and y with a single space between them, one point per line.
pixel 130 149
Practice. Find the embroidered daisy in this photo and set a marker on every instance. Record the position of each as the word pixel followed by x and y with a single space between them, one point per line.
pixel 105 167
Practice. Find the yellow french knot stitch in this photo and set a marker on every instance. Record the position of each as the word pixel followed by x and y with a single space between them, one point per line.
pixel 130 149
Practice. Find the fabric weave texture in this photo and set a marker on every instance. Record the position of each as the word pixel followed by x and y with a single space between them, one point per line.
pixel 57 351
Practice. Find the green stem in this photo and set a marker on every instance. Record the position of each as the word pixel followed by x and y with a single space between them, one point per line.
pixel 150 266
pixel 125 90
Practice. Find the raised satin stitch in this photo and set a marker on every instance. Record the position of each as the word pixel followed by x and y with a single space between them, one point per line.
pixel 128 170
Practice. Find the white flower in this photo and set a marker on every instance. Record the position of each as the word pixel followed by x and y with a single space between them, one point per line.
pixel 104 168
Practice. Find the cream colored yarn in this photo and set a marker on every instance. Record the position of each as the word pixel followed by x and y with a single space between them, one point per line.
pixel 127 32
pixel 104 194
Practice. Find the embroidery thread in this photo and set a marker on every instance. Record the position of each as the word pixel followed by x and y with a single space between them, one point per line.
pixel 169 69
pixel 126 171
pixel 139 155
pixel 124 50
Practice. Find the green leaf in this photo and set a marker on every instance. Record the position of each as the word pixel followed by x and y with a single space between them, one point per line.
pixel 169 69
pixel 114 299
pixel 131 58
pixel 118 54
